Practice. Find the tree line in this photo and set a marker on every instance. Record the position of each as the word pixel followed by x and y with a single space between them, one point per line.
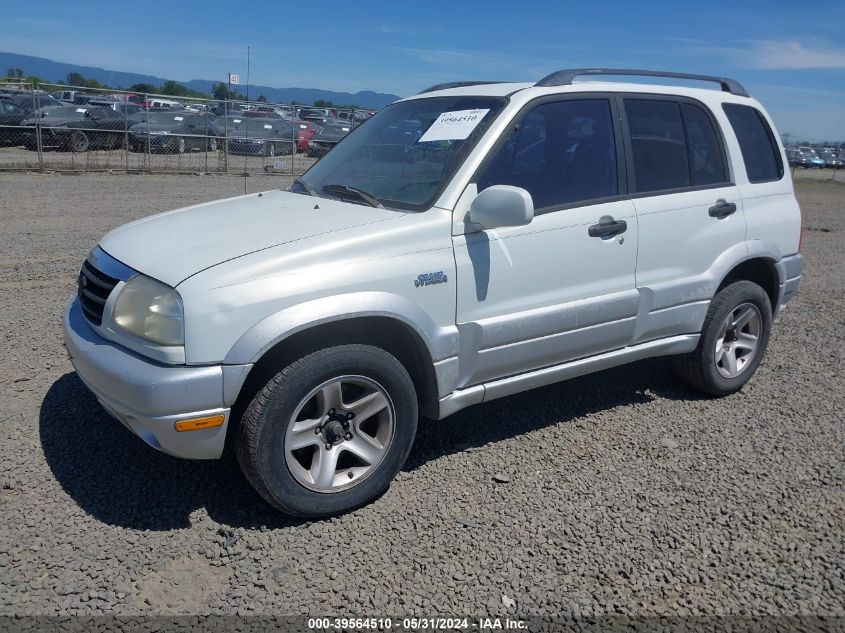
pixel 219 90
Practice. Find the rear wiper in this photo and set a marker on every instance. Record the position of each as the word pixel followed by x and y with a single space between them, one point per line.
pixel 358 193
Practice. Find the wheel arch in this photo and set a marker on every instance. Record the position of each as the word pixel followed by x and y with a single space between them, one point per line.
pixel 384 320
pixel 385 332
pixel 761 270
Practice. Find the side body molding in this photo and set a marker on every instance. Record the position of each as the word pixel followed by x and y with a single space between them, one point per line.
pixel 442 342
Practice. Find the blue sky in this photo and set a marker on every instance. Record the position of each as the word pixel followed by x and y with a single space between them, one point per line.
pixel 791 57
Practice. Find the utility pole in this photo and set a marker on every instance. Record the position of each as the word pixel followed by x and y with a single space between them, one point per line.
pixel 247 100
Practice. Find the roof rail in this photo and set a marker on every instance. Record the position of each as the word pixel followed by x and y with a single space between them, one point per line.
pixel 565 77
pixel 459 84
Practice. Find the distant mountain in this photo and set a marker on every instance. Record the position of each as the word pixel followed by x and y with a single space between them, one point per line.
pixel 57 71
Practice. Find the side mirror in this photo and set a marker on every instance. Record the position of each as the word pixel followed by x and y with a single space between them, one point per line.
pixel 502 205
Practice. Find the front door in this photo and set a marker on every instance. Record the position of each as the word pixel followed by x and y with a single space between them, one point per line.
pixel 561 287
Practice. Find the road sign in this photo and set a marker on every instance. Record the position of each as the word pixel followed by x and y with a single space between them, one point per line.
pixel 234 79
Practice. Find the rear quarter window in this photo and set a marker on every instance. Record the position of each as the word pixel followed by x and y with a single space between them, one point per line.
pixel 760 151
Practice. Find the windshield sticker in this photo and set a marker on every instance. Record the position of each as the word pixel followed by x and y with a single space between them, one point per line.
pixel 345 129
pixel 268 127
pixel 81 110
pixel 178 118
pixel 453 126
pixel 237 120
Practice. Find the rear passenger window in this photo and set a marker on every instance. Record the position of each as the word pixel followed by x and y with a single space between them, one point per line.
pixel 704 147
pixel 561 153
pixel 759 149
pixel 658 145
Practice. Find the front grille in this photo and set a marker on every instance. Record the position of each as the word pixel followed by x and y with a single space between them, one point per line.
pixel 94 287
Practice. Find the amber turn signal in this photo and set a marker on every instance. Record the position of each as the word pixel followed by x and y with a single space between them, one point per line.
pixel 200 423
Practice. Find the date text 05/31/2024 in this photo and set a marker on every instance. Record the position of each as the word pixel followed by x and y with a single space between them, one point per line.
pixel 417 624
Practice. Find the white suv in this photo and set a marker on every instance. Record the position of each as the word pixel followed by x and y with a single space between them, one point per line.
pixel 467 243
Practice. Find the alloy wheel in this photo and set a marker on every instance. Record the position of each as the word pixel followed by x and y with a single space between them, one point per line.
pixel 738 340
pixel 339 434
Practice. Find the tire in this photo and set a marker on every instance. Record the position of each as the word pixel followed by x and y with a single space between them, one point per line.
pixel 181 145
pixel 738 313
pixel 295 408
pixel 270 150
pixel 212 145
pixel 78 142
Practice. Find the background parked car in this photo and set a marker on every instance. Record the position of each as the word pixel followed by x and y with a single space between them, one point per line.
pixel 320 116
pixel 327 138
pixel 11 117
pixel 258 137
pixel 77 129
pixel 101 128
pixel 172 132
pixel 68 96
pixel 305 131
pixel 51 119
pixel 157 103
pixel 831 158
pixel 805 157
pixel 30 102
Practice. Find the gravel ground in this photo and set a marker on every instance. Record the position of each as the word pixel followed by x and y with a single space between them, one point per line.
pixel 622 492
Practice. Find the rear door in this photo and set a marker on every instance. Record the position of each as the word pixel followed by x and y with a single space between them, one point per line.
pixel 552 291
pixel 688 208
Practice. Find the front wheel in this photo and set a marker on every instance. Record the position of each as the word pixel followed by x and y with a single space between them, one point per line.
pixel 733 340
pixel 329 432
pixel 79 142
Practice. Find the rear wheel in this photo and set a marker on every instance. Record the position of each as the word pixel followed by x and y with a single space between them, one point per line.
pixel 733 340
pixel 328 433
pixel 181 145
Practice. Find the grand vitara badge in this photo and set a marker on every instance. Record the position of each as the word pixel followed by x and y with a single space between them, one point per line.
pixel 429 279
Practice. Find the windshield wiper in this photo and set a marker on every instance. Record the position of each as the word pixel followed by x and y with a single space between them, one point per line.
pixel 308 188
pixel 369 198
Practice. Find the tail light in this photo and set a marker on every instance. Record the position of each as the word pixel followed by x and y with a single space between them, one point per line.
pixel 801 234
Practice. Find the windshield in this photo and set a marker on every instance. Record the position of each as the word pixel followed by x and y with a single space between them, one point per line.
pixel 406 154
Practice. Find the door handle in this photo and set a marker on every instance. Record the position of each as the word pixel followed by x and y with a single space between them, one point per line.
pixel 607 227
pixel 721 209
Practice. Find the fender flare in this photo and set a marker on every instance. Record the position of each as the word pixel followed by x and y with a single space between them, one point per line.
pixel 442 342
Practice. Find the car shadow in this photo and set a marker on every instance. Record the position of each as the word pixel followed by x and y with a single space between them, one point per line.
pixel 117 479
pixel 559 403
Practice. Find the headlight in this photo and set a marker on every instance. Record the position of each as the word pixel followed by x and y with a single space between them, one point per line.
pixel 150 309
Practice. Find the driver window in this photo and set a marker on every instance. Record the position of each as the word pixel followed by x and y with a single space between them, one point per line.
pixel 561 153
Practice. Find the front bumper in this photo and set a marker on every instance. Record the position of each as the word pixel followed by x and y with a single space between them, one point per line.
pixel 148 397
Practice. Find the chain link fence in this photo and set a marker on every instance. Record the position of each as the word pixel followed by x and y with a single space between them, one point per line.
pixel 51 127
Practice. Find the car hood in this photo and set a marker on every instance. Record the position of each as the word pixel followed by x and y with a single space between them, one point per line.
pixel 147 128
pixel 55 122
pixel 174 245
